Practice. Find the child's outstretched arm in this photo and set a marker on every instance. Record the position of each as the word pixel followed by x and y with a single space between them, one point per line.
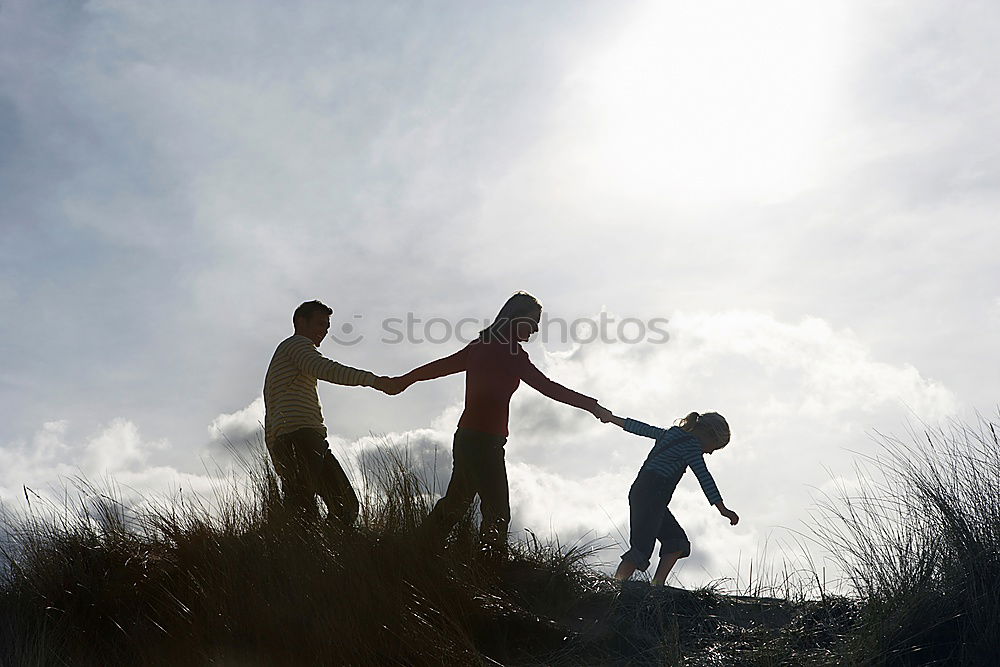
pixel 640 428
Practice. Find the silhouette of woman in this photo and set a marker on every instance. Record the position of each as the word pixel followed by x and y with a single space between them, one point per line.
pixel 494 365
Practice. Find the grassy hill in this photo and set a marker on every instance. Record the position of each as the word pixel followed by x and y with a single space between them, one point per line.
pixel 240 583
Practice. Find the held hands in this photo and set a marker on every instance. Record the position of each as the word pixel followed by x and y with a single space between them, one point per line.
pixel 391 385
pixel 608 417
pixel 603 413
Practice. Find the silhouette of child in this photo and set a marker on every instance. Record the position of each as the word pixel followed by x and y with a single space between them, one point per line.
pixel 676 449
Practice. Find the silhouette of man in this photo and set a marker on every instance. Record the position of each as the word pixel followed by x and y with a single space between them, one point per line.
pixel 293 420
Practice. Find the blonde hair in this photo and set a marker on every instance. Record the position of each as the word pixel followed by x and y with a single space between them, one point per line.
pixel 713 421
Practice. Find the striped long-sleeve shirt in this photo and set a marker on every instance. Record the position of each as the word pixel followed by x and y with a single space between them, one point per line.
pixel 675 451
pixel 291 399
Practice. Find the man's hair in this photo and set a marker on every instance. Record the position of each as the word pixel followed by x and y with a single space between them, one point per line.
pixel 308 309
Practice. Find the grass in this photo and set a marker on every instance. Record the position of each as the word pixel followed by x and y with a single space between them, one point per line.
pixel 237 582
pixel 234 581
pixel 920 541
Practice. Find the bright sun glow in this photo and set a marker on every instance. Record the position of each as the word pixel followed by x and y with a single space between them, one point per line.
pixel 709 100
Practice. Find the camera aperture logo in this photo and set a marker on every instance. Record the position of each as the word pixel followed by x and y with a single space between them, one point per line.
pixel 415 330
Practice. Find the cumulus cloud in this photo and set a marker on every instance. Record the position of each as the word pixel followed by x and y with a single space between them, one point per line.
pixel 116 459
pixel 43 455
pixel 241 430
pixel 118 448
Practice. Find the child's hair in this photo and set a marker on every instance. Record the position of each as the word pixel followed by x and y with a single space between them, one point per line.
pixel 713 421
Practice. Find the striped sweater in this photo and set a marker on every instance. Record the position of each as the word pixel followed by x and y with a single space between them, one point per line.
pixel 675 451
pixel 291 399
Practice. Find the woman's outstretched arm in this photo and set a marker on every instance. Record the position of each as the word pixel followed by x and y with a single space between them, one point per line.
pixel 537 380
pixel 453 363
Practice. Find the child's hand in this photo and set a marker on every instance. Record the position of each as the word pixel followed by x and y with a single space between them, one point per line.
pixel 733 517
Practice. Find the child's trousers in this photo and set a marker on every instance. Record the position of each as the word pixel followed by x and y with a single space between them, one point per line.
pixel 650 519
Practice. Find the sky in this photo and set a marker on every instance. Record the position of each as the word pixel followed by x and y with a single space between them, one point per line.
pixel 781 211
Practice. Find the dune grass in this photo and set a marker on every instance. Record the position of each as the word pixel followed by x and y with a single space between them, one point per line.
pixel 235 581
pixel 920 542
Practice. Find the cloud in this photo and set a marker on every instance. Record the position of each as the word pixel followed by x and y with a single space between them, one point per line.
pixel 116 459
pixel 118 448
pixel 425 452
pixel 241 430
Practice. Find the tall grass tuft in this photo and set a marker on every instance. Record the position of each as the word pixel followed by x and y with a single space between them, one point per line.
pixel 920 542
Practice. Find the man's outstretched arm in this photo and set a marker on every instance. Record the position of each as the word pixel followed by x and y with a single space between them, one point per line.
pixel 311 361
